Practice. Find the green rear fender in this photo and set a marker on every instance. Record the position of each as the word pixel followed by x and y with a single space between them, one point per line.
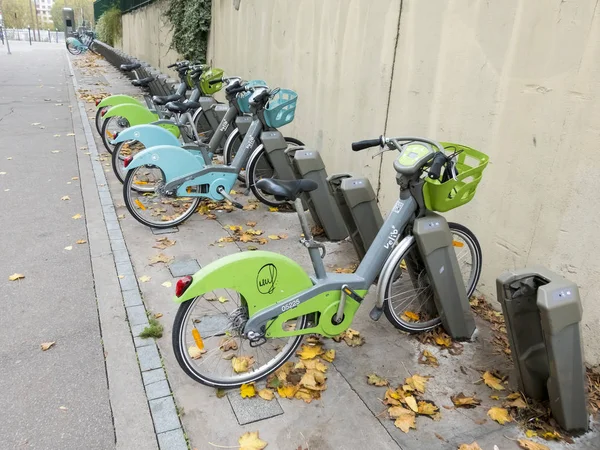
pixel 262 278
pixel 135 114
pixel 115 100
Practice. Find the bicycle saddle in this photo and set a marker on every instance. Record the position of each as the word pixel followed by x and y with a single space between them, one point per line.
pixel 129 67
pixel 164 99
pixel 286 189
pixel 143 82
pixel 180 107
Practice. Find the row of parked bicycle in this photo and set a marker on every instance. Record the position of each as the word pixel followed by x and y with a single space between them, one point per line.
pixel 241 317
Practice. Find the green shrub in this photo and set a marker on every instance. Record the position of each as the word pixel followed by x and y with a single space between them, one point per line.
pixel 191 24
pixel 109 27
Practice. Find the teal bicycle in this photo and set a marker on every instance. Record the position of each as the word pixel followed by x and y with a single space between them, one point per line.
pixel 81 42
pixel 256 306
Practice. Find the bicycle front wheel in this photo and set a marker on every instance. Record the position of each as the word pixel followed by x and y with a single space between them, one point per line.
pixel 409 299
pixel 73 48
pixel 111 128
pixel 210 348
pixel 100 118
pixel 121 151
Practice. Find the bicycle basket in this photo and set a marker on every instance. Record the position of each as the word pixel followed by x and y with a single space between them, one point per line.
pixel 281 108
pixel 210 75
pixel 243 98
pixel 454 193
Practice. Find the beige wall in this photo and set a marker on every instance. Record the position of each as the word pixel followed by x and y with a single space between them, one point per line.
pixel 517 79
pixel 147 36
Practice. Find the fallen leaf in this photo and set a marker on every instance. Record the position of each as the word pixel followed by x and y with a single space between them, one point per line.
pixel 428 359
pixel 249 207
pixel 518 403
pixel 221 393
pixel 70 134
pixel 222 299
pixel 227 344
pixel 397 411
pixel 273 237
pixel 266 394
pixel 65 197
pixel 329 355
pixel 57 135
pixel 393 397
pixel 46 345
pixel 242 364
pixel 405 422
pixel 273 209
pixel 163 243
pixel 287 391
pixel 309 352
pixel 412 403
pixel 417 382
pixel 121 276
pixel 9 158
pixel 160 258
pixel 81 241
pixel 195 352
pixel 55 151
pixel 473 446
pixel 167 284
pixel 312 364
pixel 500 415
pixel 145 278
pixel 16 276
pixel 427 408
pixel 376 380
pixel 2 173
pixel 75 178
pixel 247 390
pixel 442 339
pixel 158 315
pixel 460 400
pixel 251 224
pixel 251 441
pixel 530 433
pixel 313 380
pixel 530 445
pixel 69 247
pixel 491 381
pixel 76 217
pixel 62 408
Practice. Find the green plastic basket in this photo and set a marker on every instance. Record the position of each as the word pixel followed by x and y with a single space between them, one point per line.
pixel 210 75
pixel 454 193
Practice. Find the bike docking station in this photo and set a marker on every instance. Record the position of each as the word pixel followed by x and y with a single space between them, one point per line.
pixel 542 311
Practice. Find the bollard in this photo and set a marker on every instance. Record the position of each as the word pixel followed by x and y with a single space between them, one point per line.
pixel 29 31
pixel 542 311
pixel 56 35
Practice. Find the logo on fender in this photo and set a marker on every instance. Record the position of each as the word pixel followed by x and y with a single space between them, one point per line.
pixel 266 279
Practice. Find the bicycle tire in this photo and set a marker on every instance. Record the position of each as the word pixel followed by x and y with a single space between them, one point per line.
pixel 109 147
pixel 73 49
pixel 100 118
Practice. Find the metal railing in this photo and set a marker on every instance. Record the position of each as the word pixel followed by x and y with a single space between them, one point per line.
pixel 23 34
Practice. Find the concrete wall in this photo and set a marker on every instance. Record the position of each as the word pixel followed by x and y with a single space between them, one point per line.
pixel 517 79
pixel 147 36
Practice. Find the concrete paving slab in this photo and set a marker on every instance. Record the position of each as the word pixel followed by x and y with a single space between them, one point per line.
pixel 181 268
pixel 164 414
pixel 172 440
pixel 249 410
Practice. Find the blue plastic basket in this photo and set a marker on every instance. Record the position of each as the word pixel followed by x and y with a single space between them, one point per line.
pixel 281 108
pixel 244 97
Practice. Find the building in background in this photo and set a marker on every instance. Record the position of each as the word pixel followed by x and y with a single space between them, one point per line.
pixel 42 9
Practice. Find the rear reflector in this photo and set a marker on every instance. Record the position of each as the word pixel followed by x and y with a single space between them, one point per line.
pixel 182 285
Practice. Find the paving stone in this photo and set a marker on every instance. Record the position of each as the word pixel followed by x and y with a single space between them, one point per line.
pixel 152 376
pixel 137 340
pixel 118 244
pixel 149 358
pixel 248 410
pixel 124 268
pixel 158 231
pixel 164 414
pixel 137 315
pixel 113 225
pixel 172 440
pixel 132 297
pixel 115 234
pixel 120 255
pixel 158 390
pixel 184 267
pixel 128 283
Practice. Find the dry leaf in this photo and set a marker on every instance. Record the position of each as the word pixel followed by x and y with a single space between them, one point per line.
pixel 70 134
pixel 251 224
pixel 16 276
pixel 247 390
pixel 46 345
pixel 313 380
pixel 530 445
pixel 249 207
pixel 74 178
pixel 273 237
pixel 266 394
pixel 76 216
pixel 427 358
pixel 311 364
pixel 62 408
pixel 427 408
pixel 242 364
pixel 442 339
pixel 222 299
pixel 160 258
pixel 376 380
pixel 273 209
pixel 397 411
pixel 158 315
pixel 195 352
pixel 227 344
pixel 393 397
pixel 329 355
pixel 412 403
pixel 69 247
pixel 309 352
pixel 55 151
pixel 163 243
pixel 530 433
pixel 491 381
pixel 145 278
pixel 466 402
pixel 120 277
pixel 473 446
pixel 251 441
pixel 500 415
pixel 167 284
pixel 518 403
pixel 287 391
pixel 417 382
pixel 66 197
pixel 81 241
pixel 221 393
pixel 405 422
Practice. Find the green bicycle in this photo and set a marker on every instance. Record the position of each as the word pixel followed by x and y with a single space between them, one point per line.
pixel 258 305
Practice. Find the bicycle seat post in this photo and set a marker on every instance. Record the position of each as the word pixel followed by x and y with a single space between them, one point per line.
pixel 312 246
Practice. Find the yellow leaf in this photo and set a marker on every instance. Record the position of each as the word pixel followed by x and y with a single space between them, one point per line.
pixel 251 224
pixel 46 345
pixel 74 178
pixel 160 258
pixel 195 352
pixel 163 243
pixel 397 411
pixel 411 315
pixel 273 209
pixel 273 237
pixel 76 216
pixel 145 278
pixel 427 358
pixel 158 315
pixel 251 441
pixel 491 381
pixel 310 352
pixel 81 241
pixel 266 394
pixel 466 402
pixel 242 364
pixel 393 397
pixel 69 247
pixel 530 445
pixel 494 397
pixel 417 382
pixel 376 380
pixel 443 340
pixel 518 403
pixel 473 446
pixel 65 197
pixel 249 207
pixel 329 355
pixel 427 408
pixel 550 435
pixel 313 380
pixel 513 396
pixel 16 276
pixel 167 284
pixel 307 395
pixel 70 134
pixel 235 228
pixel 530 433
pixel 405 422
pixel 312 364
pixel 222 299
pixel 247 390
pixel 412 403
pixel 287 391
pixel 500 415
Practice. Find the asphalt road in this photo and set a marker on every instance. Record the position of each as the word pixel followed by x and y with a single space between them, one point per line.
pixel 54 399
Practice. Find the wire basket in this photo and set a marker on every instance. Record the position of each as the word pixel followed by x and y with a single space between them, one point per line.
pixel 454 193
pixel 211 75
pixel 243 98
pixel 281 108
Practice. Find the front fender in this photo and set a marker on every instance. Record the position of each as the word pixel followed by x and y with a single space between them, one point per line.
pixel 262 278
pixel 135 114
pixel 148 135
pixel 172 160
pixel 115 100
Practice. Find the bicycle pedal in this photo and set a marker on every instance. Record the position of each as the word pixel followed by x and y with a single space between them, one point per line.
pixel 350 293
pixel 376 313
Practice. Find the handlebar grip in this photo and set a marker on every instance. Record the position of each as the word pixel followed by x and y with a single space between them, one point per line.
pixel 368 143
pixel 211 82
pixel 436 167
pixel 236 90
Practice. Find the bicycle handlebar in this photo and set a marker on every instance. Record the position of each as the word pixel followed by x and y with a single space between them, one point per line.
pixel 368 143
pixel 436 166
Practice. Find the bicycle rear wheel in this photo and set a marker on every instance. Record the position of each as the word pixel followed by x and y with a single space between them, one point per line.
pixel 121 151
pixel 111 128
pixel 225 358
pixel 73 48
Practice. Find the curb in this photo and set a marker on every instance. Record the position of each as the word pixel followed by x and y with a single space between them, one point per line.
pixel 168 430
